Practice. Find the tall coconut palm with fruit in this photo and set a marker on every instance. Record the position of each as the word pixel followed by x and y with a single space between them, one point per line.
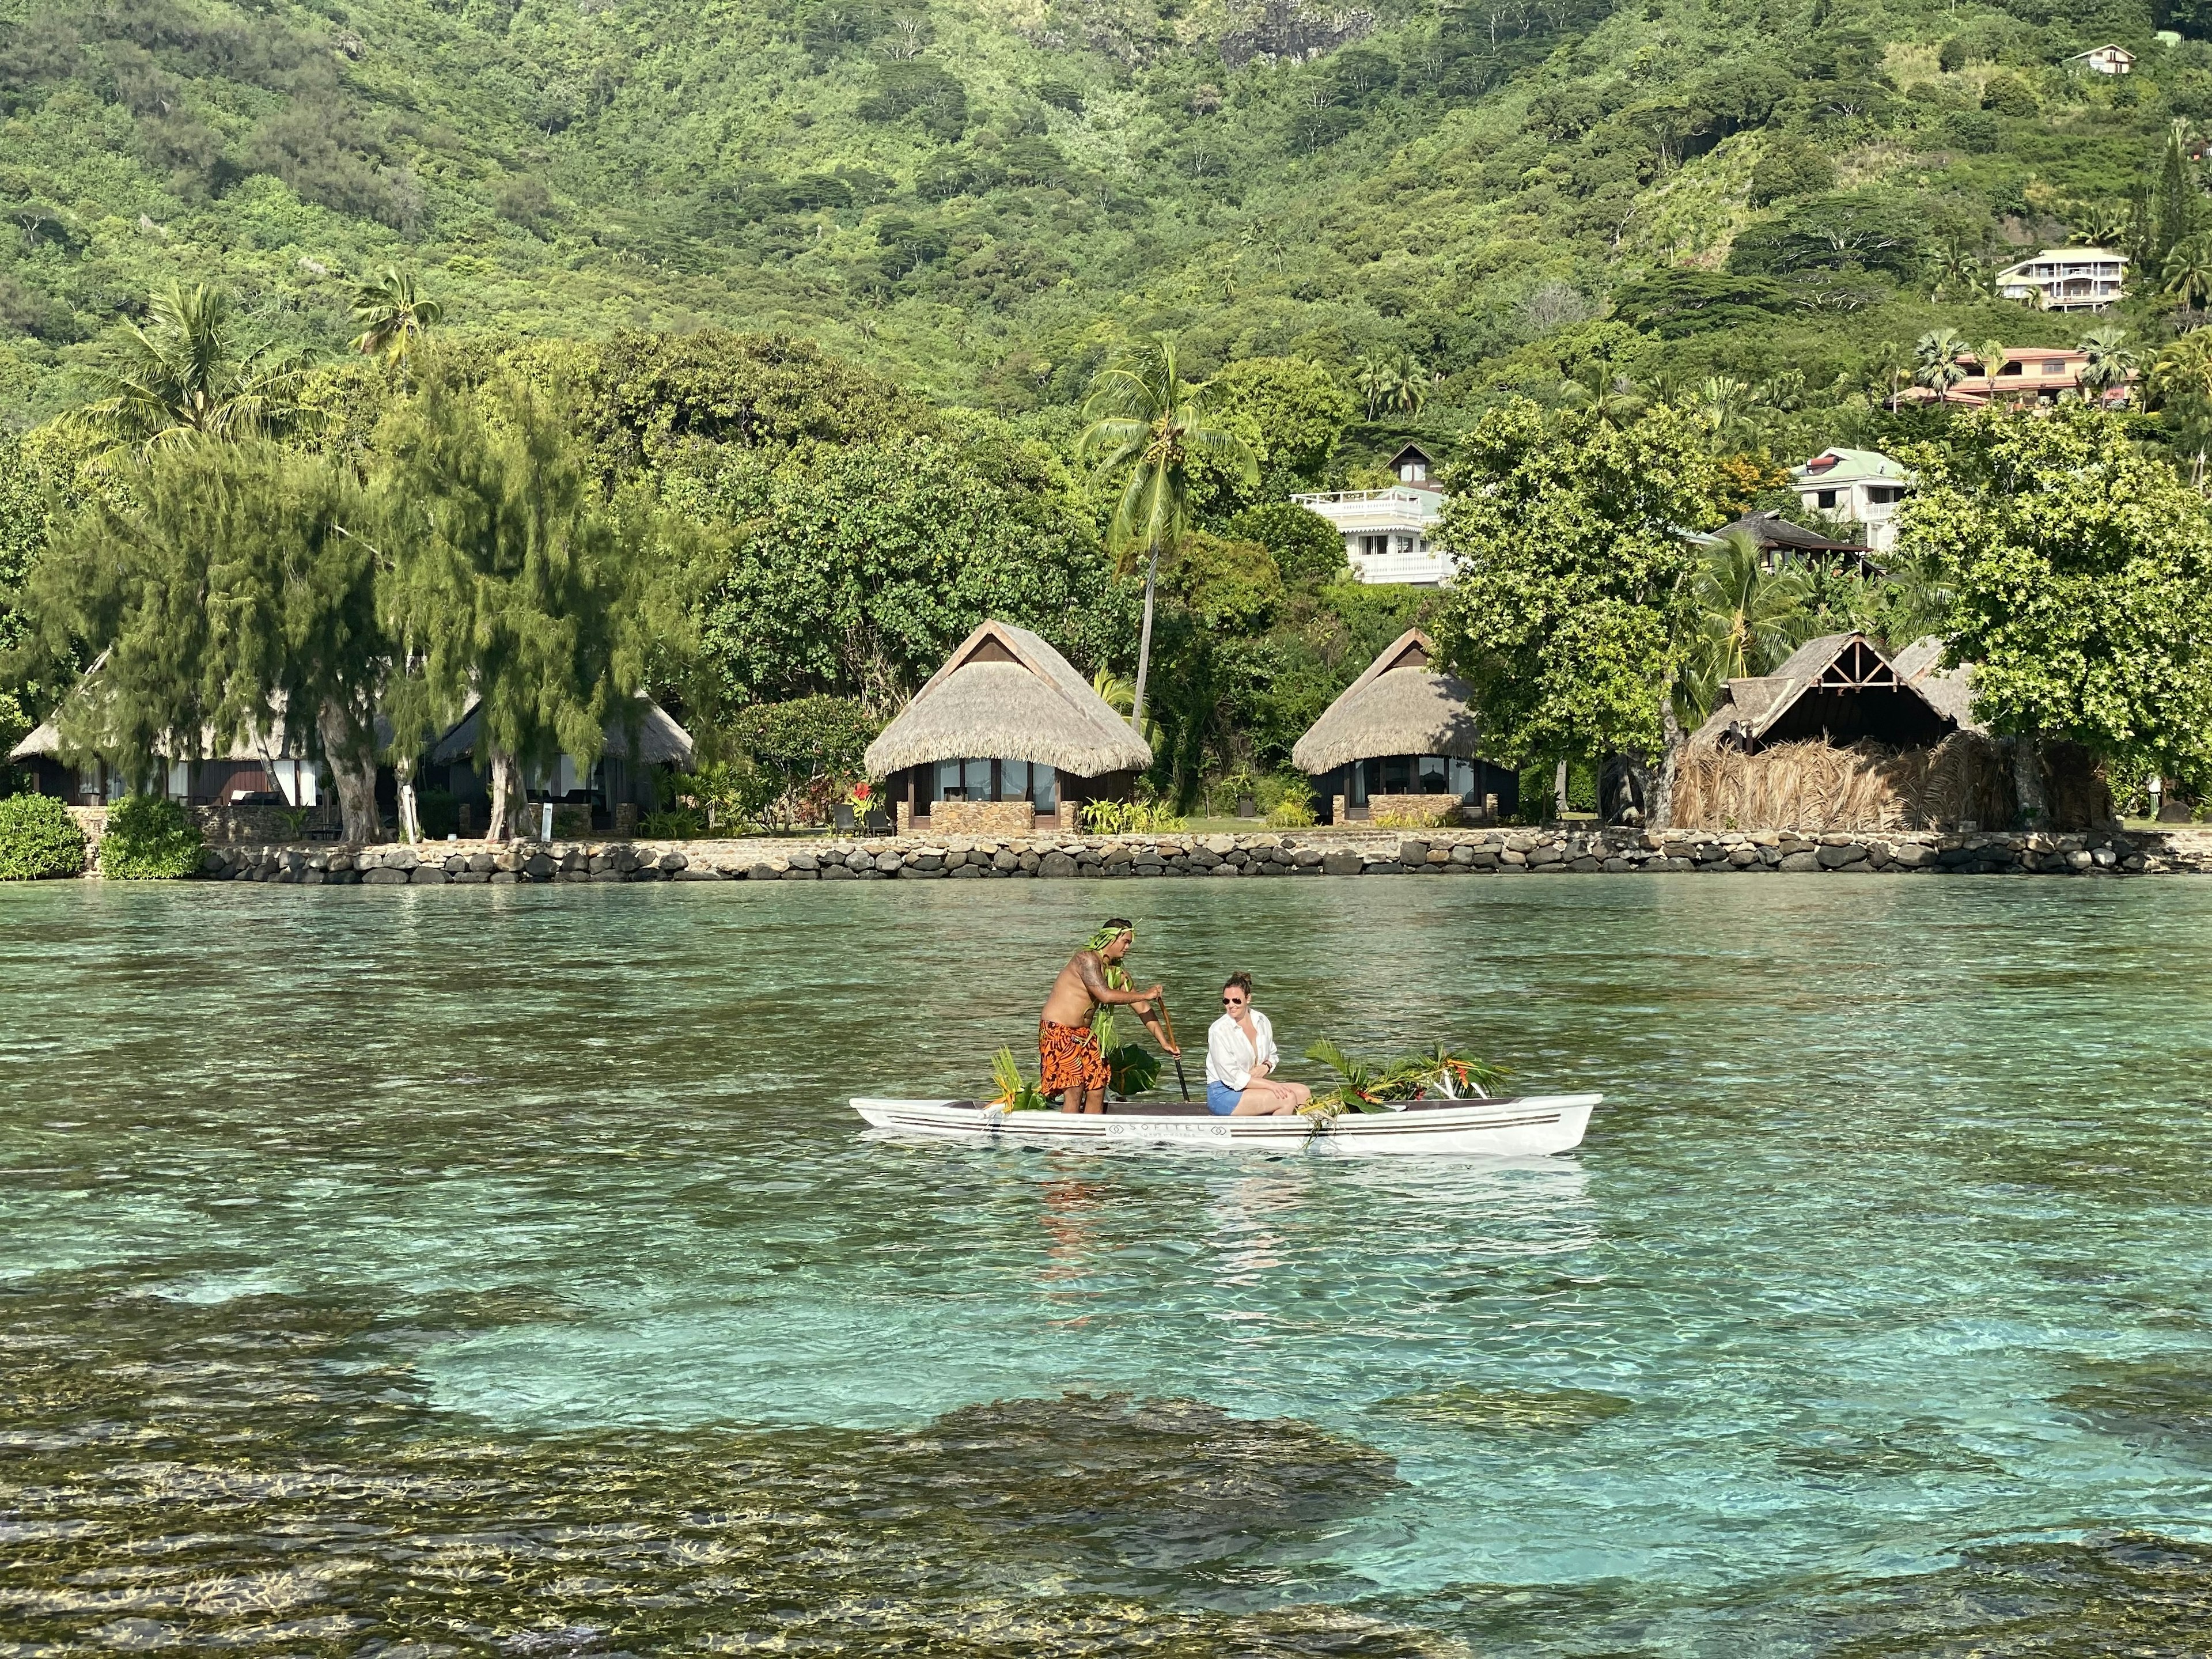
pixel 1147 423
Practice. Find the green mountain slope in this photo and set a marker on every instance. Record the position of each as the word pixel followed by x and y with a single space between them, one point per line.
pixel 979 198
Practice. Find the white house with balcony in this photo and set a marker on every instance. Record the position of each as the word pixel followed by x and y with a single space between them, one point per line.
pixel 1389 534
pixel 1858 486
pixel 2067 279
pixel 2103 60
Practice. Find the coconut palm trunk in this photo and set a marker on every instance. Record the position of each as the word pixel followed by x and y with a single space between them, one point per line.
pixel 1145 640
pixel 1670 763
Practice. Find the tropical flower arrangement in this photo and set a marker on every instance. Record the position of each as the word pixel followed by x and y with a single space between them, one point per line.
pixel 1366 1087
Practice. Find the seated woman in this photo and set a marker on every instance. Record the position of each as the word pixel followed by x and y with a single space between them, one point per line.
pixel 1241 1058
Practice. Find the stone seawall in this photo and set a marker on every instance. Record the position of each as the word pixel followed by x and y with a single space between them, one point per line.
pixel 1302 853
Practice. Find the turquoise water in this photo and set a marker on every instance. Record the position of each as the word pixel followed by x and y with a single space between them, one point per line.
pixel 501 1271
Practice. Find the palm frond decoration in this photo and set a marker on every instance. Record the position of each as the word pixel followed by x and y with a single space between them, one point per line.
pixel 1016 1092
pixel 1365 1087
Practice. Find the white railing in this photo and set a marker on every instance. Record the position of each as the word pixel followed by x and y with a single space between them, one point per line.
pixel 1351 497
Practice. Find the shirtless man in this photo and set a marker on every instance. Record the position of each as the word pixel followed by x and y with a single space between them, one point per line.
pixel 1073 1065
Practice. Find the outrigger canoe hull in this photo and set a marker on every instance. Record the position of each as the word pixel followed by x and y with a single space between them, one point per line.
pixel 1532 1126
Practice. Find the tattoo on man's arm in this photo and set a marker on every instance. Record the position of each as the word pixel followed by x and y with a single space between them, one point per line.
pixel 1093 977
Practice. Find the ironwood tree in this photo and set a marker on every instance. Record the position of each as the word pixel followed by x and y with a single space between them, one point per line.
pixel 514 580
pixel 233 602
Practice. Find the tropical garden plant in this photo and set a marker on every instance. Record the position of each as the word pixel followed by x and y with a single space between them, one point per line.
pixel 148 838
pixel 38 839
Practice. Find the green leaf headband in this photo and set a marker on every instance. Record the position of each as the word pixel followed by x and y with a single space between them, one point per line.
pixel 1106 936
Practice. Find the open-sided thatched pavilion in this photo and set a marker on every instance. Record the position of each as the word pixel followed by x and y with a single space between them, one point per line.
pixel 1004 739
pixel 1402 739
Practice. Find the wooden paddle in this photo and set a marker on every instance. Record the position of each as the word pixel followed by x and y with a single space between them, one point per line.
pixel 1167 1023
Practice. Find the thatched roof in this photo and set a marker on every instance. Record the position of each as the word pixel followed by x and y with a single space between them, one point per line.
pixel 1846 665
pixel 45 742
pixel 660 741
pixel 1006 695
pixel 1400 706
pixel 1772 530
pixel 1951 690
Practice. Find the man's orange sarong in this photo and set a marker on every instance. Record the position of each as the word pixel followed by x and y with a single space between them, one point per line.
pixel 1071 1057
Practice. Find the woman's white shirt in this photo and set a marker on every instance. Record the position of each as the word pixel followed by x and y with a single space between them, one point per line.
pixel 1231 1057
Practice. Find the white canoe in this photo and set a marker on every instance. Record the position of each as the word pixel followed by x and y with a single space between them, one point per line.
pixel 1530 1126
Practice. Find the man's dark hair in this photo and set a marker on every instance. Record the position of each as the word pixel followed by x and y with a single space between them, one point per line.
pixel 1119 924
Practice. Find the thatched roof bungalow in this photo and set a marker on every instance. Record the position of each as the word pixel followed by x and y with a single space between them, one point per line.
pixel 622 776
pixel 1402 739
pixel 1007 725
pixel 1837 688
pixel 264 770
pixel 1843 737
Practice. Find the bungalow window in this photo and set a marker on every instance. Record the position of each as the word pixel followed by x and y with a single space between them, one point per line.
pixel 1825 499
pixel 995 780
pixel 1433 772
pixel 1462 779
pixel 1884 495
pixel 1374 547
pixel 962 779
pixel 2052 366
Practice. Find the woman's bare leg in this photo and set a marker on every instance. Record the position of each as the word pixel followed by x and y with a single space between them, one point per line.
pixel 1268 1098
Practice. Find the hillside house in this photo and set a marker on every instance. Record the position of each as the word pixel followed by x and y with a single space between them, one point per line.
pixel 2027 375
pixel 1387 532
pixel 1783 544
pixel 2103 60
pixel 1858 486
pixel 2067 279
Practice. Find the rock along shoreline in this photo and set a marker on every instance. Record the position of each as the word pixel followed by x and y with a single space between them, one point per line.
pixel 1297 853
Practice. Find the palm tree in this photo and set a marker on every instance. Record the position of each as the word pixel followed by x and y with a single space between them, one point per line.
pixel 184 376
pixel 1941 356
pixel 1374 378
pixel 393 315
pixel 2188 271
pixel 1958 273
pixel 1991 355
pixel 1744 619
pixel 1408 384
pixel 2112 360
pixel 1146 422
pixel 1725 405
pixel 2179 386
pixel 2102 225
pixel 1600 388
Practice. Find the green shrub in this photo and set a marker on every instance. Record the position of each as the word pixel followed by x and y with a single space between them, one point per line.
pixel 38 837
pixel 149 839
pixel 673 824
pixel 2007 95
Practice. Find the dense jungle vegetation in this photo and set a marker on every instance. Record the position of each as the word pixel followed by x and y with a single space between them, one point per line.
pixel 821 285
pixel 980 201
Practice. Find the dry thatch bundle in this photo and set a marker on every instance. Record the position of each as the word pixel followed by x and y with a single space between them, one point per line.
pixel 1818 786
